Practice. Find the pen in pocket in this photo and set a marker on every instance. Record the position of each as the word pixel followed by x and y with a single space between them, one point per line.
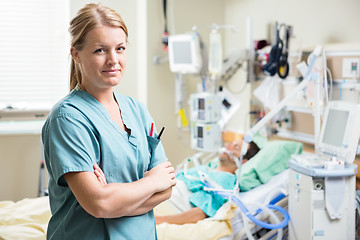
pixel 151 129
pixel 161 132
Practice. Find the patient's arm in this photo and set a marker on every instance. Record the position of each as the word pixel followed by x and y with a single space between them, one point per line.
pixel 191 216
pixel 122 199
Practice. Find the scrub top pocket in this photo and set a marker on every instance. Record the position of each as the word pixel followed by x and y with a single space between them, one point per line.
pixel 153 143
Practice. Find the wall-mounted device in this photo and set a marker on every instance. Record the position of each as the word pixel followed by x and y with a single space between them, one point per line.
pixel 185 53
pixel 205 107
pixel 205 136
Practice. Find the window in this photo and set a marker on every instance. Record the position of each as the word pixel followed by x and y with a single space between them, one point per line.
pixel 34 53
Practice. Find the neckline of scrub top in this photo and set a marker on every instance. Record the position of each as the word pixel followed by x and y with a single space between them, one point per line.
pixel 106 114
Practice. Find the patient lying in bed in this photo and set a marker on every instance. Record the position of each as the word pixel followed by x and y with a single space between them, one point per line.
pixel 189 198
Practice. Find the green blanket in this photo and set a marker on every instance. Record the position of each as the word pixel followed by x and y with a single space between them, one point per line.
pixel 270 160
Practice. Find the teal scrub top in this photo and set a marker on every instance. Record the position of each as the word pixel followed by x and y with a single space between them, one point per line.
pixel 78 133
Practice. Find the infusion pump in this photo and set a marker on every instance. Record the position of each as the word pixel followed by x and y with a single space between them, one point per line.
pixel 209 113
pixel 205 136
pixel 205 116
pixel 205 107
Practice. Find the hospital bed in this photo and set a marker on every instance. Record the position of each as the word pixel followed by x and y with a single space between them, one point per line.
pixel 28 218
pixel 227 224
pixel 262 178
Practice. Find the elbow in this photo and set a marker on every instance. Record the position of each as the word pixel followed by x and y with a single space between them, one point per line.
pixel 97 212
pixel 104 209
pixel 96 209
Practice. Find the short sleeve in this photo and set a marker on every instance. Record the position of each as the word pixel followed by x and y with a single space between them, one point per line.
pixel 70 145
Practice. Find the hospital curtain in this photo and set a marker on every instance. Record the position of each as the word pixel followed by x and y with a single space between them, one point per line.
pixel 34 52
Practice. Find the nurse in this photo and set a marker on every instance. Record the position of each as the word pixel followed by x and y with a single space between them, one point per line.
pixel 95 127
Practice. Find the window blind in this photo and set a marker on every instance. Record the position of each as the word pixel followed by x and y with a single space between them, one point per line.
pixel 34 52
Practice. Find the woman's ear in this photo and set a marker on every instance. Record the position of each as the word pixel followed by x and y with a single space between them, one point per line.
pixel 75 54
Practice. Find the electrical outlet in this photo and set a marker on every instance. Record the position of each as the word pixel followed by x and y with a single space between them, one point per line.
pixel 351 68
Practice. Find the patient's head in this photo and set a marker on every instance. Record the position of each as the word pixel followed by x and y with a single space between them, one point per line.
pixel 227 161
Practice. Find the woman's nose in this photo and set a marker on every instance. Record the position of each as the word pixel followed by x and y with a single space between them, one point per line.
pixel 112 59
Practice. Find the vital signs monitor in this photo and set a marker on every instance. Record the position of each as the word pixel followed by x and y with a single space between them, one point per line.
pixel 185 53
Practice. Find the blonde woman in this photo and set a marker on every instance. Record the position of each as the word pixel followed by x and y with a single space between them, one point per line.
pixel 93 129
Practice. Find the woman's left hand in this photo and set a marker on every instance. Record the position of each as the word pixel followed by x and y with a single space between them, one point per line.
pixel 99 174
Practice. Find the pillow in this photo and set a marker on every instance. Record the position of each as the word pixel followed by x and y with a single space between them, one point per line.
pixel 270 160
pixel 260 140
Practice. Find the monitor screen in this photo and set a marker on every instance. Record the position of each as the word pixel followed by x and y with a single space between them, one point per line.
pixel 182 52
pixel 335 127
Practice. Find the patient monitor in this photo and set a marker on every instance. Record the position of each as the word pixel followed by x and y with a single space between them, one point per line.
pixel 185 53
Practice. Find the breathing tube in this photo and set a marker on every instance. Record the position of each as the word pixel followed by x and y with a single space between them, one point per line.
pixel 210 185
pixel 263 224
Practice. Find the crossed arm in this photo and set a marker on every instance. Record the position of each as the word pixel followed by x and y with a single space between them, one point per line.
pixel 191 216
pixel 121 199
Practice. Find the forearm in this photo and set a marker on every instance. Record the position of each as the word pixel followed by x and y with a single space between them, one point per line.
pixel 110 200
pixel 152 202
pixel 121 199
pixel 191 216
pixel 127 199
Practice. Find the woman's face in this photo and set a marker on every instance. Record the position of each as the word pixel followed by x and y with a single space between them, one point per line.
pixel 102 60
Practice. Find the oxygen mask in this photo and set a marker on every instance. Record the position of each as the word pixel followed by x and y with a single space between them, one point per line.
pixel 230 154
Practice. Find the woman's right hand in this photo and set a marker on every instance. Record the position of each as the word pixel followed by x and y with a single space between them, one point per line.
pixel 163 176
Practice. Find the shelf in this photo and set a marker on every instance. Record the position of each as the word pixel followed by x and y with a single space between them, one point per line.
pixel 21 127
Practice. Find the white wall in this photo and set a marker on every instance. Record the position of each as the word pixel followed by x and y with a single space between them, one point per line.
pixel 314 22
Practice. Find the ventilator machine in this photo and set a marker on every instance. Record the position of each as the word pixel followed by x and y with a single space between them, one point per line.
pixel 322 185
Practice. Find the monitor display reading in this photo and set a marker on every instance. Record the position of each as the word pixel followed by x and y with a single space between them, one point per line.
pixel 335 127
pixel 200 132
pixel 201 103
pixel 182 52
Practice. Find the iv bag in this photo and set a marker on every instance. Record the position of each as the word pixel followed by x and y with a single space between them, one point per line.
pixel 215 54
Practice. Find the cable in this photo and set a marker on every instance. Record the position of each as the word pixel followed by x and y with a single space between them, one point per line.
pixel 165 38
pixel 242 88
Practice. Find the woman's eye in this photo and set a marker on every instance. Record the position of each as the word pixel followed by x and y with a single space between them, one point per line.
pixel 121 48
pixel 100 50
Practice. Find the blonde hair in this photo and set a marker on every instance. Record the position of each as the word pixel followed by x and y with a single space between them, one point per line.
pixel 92 15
